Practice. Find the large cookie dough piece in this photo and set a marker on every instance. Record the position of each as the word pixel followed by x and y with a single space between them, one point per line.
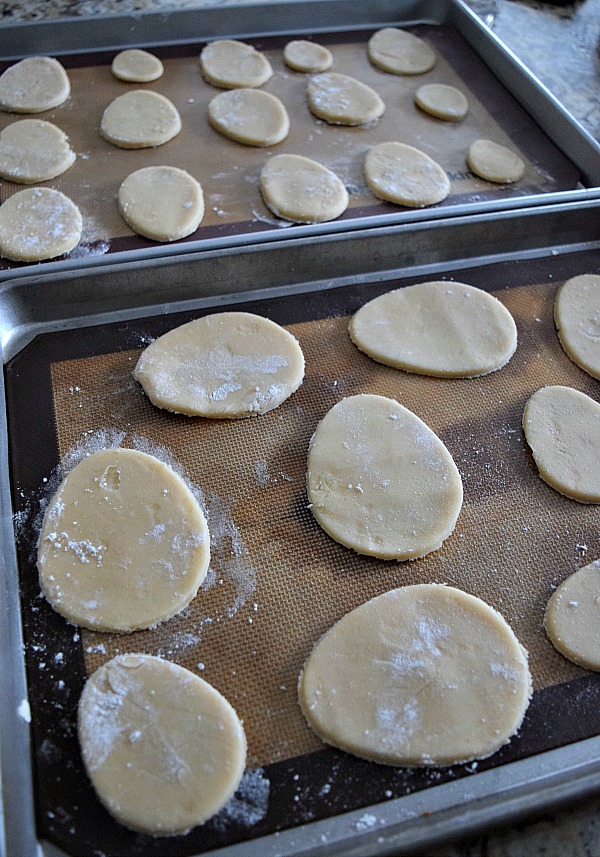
pixel 343 100
pixel 423 675
pixel 447 329
pixel 38 223
pixel 442 101
pixel 163 748
pixel 380 481
pixel 400 52
pixel 494 163
pixel 226 365
pixel 136 66
pixel 32 150
pixel 572 619
pixel 402 174
pixel 301 55
pixel 577 317
pixel 33 85
pixel 302 190
pixel 230 64
pixel 249 116
pixel 562 427
pixel 140 119
pixel 161 203
pixel 124 544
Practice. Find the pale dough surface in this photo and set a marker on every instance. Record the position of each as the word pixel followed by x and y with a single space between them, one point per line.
pixel 302 190
pixel 448 329
pixel 230 64
pixel 307 56
pixel 249 116
pixel 562 427
pixel 124 543
pixel 404 175
pixel 136 66
pixel 32 150
pixel 572 619
pixel 380 481
pixel 140 119
pixel 163 748
pixel 343 100
pixel 33 85
pixel 494 162
pixel 399 52
pixel 38 223
pixel 442 101
pixel 161 203
pixel 422 675
pixel 225 365
pixel 577 318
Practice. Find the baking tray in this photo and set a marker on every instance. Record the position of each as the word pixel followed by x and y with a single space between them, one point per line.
pixel 70 341
pixel 507 104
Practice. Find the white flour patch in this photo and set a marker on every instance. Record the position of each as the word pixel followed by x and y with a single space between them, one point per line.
pixel 249 804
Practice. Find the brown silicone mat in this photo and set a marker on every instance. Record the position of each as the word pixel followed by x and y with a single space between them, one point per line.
pixel 229 171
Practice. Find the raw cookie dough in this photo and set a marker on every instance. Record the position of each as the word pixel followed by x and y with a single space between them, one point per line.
pixel 302 190
pixel 140 119
pixel 38 223
pixel 342 100
pixel 380 481
pixel 124 543
pixel 562 427
pixel 32 150
pixel 422 675
pixel 447 329
pixel 33 85
pixel 249 116
pixel 572 619
pixel 163 748
pixel 162 203
pixel 405 175
pixel 442 101
pixel 230 64
pixel 307 56
pixel 494 163
pixel 400 52
pixel 137 66
pixel 229 364
pixel 577 318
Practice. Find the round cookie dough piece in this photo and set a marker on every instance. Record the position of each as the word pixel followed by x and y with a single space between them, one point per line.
pixel 32 150
pixel 161 203
pixel 249 116
pixel 124 544
pixel 38 223
pixel 422 675
pixel 225 365
pixel 399 52
pixel 577 318
pixel 442 101
pixel 231 64
pixel 380 481
pixel 404 175
pixel 302 190
pixel 447 329
pixel 494 163
pixel 136 66
pixel 306 56
pixel 33 85
pixel 562 427
pixel 572 619
pixel 140 119
pixel 163 748
pixel 343 100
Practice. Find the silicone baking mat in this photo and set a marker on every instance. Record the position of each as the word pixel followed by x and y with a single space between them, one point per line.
pixel 277 581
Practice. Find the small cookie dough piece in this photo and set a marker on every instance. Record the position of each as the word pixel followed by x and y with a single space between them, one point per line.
pixel 33 85
pixel 136 66
pixel 446 329
pixel 140 119
pixel 399 52
pixel 161 203
pixel 124 544
pixel 422 675
pixel 442 101
pixel 494 163
pixel 225 365
pixel 38 223
pixel 32 150
pixel 402 174
pixel 231 64
pixel 302 190
pixel 380 481
pixel 163 748
pixel 577 318
pixel 343 100
pixel 307 56
pixel 562 427
pixel 249 116
pixel 572 619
